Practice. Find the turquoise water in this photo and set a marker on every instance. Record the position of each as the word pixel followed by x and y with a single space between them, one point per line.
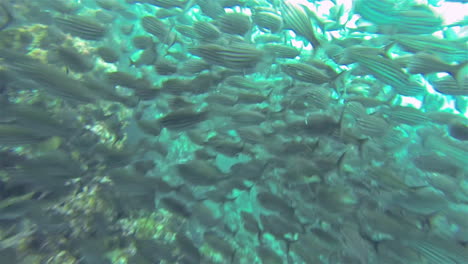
pixel 233 131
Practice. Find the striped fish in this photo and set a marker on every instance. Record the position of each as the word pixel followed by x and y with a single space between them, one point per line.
pixel 377 12
pixel 282 51
pixel 451 50
pixel 355 109
pixel 388 72
pixel 182 119
pixel 244 83
pixel 186 31
pixel 268 21
pixel 53 80
pixel 35 118
pixel 450 86
pixel 211 8
pixel 206 30
pixel 394 139
pixel 320 97
pixel 193 66
pixel 418 20
pixel 372 126
pixel 452 149
pixel 73 59
pixel 234 23
pixel 436 250
pixel 12 135
pixel 305 72
pixel 235 56
pixel 424 63
pixel 162 3
pixel 407 115
pixel 158 29
pixel 297 19
pixel 82 26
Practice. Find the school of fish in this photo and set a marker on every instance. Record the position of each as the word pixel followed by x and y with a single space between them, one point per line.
pixel 233 132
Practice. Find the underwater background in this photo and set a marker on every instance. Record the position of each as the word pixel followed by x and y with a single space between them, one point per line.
pixel 233 131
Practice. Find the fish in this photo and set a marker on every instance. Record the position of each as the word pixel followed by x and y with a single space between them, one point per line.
pixel 391 18
pixel 249 222
pixel 200 173
pixel 274 203
pixel 107 54
pixel 82 26
pixel 206 30
pixel 407 115
pixel 225 146
pixel 48 172
pixel 267 38
pixel 127 80
pixel 434 162
pixel 234 56
pixel 320 124
pixel 247 117
pixel 106 91
pixel 73 59
pixel 423 63
pixel 279 227
pixel 183 119
pixel 449 86
pixel 162 3
pixel 146 57
pixel 6 18
pixel 38 120
pixel 447 147
pixel 296 18
pixel 151 250
pixel 193 66
pixel 387 71
pixel 159 29
pixel 165 67
pixel 234 23
pixel 175 206
pixel 372 126
pixel 281 51
pixel 261 131
pixel 150 127
pixel 50 78
pixel 418 19
pixel 205 215
pixel 446 49
pixel 379 13
pixel 188 248
pixel 305 72
pixel 267 20
pixel 219 244
pixel 268 255
pixel 438 250
pixel 64 7
pixel 142 42
pixel 459 130
pixel 211 8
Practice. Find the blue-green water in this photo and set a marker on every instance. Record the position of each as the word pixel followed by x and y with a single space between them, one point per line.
pixel 233 131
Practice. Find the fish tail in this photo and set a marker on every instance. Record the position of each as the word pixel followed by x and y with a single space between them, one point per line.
pixel 456 75
pixel 340 163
